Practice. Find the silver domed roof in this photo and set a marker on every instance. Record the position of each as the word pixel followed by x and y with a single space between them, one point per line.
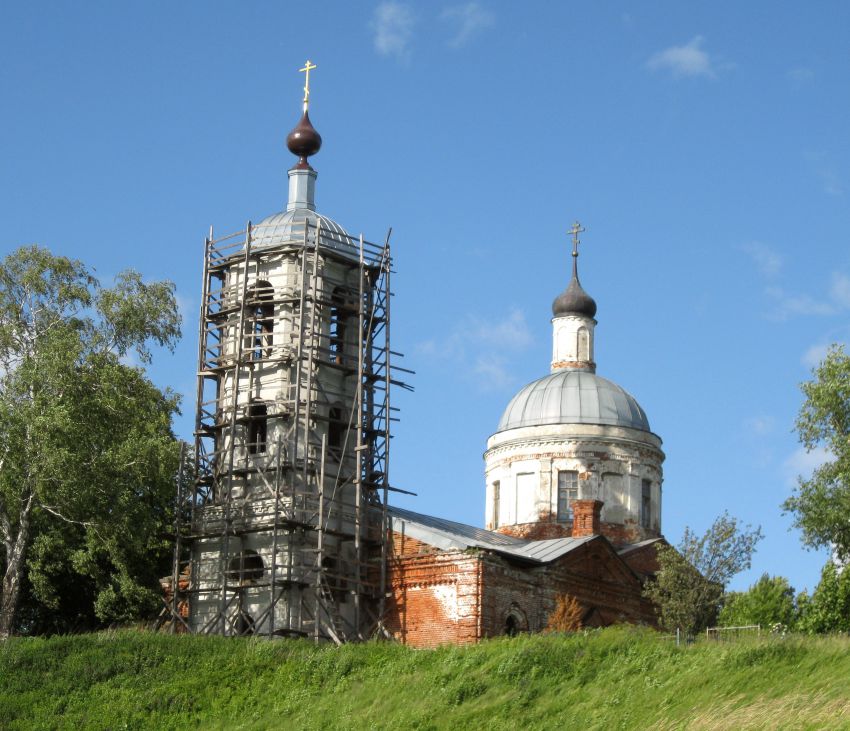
pixel 573 397
pixel 289 225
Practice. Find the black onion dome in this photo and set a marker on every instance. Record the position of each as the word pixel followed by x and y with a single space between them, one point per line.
pixel 304 140
pixel 574 301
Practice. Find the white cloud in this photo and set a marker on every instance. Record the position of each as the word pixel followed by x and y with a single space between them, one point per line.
pixel 767 261
pixel 788 305
pixel 494 374
pixel 823 167
pixel 187 308
pixel 476 345
pixel 509 333
pixel 814 355
pixel 802 463
pixel 687 60
pixel 801 74
pixel 840 289
pixel 393 26
pixel 759 425
pixel 467 21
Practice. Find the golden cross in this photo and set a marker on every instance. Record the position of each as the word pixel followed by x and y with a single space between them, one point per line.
pixel 575 231
pixel 308 67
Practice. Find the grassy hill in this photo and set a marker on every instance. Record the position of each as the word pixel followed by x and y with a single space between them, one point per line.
pixel 620 678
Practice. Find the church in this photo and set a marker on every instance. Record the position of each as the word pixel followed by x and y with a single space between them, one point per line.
pixel 288 528
pixel 573 507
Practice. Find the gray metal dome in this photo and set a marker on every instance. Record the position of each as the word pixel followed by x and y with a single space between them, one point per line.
pixel 573 397
pixel 288 225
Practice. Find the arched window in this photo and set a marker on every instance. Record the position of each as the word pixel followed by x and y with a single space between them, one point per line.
pixel 583 344
pixel 244 624
pixel 247 565
pixel 337 326
pixel 515 621
pixel 257 427
pixel 259 320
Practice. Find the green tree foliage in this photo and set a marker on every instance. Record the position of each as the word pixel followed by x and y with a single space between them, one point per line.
pixel 87 456
pixel 689 585
pixel 828 608
pixel 768 602
pixel 821 504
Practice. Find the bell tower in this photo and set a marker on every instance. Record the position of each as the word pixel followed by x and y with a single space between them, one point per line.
pixel 283 531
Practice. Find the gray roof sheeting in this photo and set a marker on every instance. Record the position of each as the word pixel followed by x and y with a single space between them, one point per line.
pixel 573 397
pixel 288 225
pixel 447 534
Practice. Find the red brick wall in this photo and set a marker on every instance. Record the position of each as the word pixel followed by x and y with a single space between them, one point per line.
pixel 586 517
pixel 643 561
pixel 606 590
pixel 435 596
pixel 458 597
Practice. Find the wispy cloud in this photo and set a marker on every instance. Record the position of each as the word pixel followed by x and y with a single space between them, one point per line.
pixel 393 24
pixel 840 289
pixel 814 355
pixel 824 169
pixel 767 260
pixel 787 305
pixel 800 75
pixel 687 60
pixel 466 21
pixel 759 425
pixel 477 346
pixel 802 463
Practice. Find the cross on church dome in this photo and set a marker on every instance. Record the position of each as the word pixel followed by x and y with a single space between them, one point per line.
pixel 574 300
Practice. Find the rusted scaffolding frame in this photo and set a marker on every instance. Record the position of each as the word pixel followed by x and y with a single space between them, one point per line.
pixel 289 493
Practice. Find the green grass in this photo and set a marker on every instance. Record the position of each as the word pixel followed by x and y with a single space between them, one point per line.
pixel 620 678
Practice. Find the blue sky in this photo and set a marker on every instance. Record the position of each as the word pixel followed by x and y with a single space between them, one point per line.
pixel 703 146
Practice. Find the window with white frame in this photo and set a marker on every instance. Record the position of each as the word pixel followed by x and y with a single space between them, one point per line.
pixel 567 492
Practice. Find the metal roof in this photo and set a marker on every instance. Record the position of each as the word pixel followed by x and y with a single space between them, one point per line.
pixel 447 534
pixel 573 397
pixel 289 225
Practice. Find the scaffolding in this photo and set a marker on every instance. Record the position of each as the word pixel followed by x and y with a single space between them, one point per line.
pixel 283 531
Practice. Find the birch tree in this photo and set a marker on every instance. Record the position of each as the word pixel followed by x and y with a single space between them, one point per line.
pixel 86 448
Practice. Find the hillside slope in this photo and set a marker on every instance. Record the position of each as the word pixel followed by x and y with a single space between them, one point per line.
pixel 617 678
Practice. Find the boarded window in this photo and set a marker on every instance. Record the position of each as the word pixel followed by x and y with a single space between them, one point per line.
pixel 583 344
pixel 496 500
pixel 526 503
pixel 567 493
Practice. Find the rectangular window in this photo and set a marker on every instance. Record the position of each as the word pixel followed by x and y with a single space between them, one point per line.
pixel 567 492
pixel 496 500
pixel 645 503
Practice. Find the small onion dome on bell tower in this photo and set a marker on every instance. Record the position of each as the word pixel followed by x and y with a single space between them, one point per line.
pixel 574 300
pixel 304 141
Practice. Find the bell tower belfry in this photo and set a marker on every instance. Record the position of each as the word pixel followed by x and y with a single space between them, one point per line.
pixel 283 532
